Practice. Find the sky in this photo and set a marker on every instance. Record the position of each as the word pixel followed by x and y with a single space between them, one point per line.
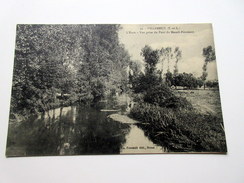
pixel 190 38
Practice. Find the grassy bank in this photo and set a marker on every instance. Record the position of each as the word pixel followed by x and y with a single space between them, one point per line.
pixel 204 101
pixel 181 130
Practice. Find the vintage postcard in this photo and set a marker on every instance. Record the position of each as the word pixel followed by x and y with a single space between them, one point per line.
pixel 99 89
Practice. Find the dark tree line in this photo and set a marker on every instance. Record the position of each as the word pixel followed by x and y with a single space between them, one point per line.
pixel 85 61
pixel 189 81
pixel 186 80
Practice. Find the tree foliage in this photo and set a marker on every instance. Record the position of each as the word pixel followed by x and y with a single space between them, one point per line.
pixel 84 61
pixel 186 80
pixel 209 55
pixel 170 54
pixel 141 82
pixel 212 84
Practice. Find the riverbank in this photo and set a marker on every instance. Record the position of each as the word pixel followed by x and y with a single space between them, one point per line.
pixel 181 130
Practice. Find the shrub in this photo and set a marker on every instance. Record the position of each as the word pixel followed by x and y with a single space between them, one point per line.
pixel 163 96
pixel 158 94
pixel 212 84
pixel 176 103
pixel 143 82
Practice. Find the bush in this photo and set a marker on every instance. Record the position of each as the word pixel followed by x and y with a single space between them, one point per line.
pixel 177 103
pixel 212 84
pixel 162 95
pixel 185 80
pixel 142 82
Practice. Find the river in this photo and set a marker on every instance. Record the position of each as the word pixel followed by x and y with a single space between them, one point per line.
pixel 78 130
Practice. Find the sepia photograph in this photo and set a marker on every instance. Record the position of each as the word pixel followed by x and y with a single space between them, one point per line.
pixel 103 89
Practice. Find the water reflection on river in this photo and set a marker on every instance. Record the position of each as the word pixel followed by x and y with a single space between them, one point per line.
pixel 76 130
pixel 137 142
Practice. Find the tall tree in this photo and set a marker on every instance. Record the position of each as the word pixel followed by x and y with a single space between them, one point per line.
pixel 151 58
pixel 209 54
pixel 151 77
pixel 162 59
pixel 177 55
pixel 169 55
